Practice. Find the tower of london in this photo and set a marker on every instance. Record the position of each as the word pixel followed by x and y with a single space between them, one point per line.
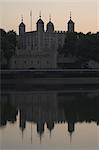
pixel 38 49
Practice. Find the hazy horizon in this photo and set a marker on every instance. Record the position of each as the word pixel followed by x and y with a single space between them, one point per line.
pixel 85 14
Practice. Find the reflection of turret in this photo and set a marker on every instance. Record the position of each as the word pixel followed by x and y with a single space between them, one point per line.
pixel 50 126
pixel 40 129
pixel 71 129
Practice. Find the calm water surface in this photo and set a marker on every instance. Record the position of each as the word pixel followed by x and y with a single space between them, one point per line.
pixel 49 120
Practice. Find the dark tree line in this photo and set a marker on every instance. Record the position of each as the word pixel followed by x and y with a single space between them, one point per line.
pixel 8 45
pixel 84 46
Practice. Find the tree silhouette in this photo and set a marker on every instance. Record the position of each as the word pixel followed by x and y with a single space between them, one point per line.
pixel 8 44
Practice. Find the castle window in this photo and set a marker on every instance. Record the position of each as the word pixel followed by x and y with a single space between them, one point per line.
pixel 31 62
pixel 15 62
pixel 37 62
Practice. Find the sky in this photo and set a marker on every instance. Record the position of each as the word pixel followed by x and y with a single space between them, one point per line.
pixel 85 14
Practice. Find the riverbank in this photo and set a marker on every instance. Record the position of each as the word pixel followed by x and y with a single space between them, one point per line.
pixel 49 73
pixel 49 79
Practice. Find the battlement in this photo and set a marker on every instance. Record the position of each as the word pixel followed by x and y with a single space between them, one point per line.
pixel 60 32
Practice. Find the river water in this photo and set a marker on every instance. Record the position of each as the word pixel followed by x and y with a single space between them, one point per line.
pixel 49 119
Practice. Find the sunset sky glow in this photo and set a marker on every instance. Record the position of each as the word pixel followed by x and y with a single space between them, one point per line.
pixel 85 14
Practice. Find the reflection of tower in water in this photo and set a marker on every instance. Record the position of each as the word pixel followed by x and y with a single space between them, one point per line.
pixel 71 129
pixel 40 129
pixel 51 108
pixel 50 126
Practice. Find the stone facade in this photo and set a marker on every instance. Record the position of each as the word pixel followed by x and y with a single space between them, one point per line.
pixel 38 49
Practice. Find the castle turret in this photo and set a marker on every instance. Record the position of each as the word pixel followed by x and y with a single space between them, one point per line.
pixel 21 27
pixel 71 25
pixel 50 26
pixel 40 25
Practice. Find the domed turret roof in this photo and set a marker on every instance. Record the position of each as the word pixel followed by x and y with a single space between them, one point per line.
pixel 40 21
pixel 22 24
pixel 50 24
pixel 40 24
pixel 70 22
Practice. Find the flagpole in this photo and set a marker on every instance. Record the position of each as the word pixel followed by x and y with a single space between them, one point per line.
pixel 31 20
